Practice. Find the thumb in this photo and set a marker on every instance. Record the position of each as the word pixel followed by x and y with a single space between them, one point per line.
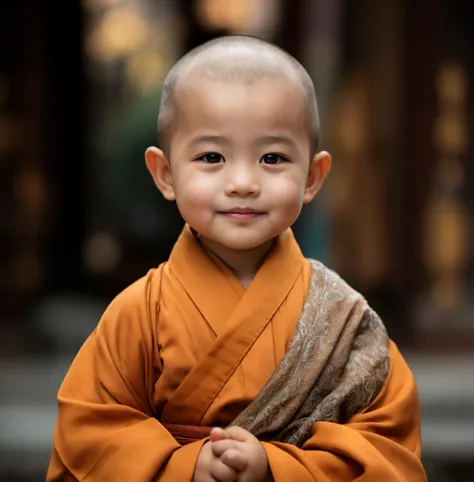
pixel 238 434
pixel 217 434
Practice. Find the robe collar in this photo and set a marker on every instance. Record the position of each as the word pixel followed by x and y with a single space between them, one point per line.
pixel 215 289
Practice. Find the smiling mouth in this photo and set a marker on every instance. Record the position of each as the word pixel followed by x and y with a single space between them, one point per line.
pixel 242 214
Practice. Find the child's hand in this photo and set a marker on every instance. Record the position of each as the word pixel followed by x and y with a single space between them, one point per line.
pixel 209 468
pixel 241 451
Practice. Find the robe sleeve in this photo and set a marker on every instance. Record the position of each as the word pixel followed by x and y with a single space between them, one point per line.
pixel 106 429
pixel 380 443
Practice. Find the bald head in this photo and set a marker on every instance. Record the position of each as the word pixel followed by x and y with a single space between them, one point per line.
pixel 234 59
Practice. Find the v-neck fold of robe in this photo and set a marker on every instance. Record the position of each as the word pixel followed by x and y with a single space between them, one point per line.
pixel 188 344
pixel 232 331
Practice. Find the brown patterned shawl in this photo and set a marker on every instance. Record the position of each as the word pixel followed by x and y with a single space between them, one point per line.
pixel 336 364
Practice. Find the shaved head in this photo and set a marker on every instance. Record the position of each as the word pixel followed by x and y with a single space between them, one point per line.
pixel 239 59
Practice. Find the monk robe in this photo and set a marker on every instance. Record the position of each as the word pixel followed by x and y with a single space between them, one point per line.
pixel 188 345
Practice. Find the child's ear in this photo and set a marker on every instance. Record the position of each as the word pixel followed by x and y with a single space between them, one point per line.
pixel 318 170
pixel 159 168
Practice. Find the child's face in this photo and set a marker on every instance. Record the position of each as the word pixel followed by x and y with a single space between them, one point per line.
pixel 240 162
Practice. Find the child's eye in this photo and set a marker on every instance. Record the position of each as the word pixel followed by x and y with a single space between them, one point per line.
pixel 211 158
pixel 273 159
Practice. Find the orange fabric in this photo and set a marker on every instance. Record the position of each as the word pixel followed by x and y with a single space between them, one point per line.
pixel 381 443
pixel 185 434
pixel 187 344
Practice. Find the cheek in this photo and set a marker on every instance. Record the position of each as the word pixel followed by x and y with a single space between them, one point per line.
pixel 194 193
pixel 288 191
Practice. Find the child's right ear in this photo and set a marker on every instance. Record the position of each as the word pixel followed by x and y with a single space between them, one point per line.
pixel 160 171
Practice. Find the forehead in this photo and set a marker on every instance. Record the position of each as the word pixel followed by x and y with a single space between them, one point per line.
pixel 268 103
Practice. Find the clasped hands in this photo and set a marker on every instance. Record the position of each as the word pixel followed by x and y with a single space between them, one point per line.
pixel 232 455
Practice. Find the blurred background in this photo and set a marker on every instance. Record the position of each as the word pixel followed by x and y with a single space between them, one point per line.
pixel 80 217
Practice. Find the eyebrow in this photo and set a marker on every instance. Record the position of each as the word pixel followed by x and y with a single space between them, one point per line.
pixel 208 138
pixel 223 140
pixel 277 139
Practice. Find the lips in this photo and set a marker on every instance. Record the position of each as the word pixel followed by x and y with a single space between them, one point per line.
pixel 242 210
pixel 242 214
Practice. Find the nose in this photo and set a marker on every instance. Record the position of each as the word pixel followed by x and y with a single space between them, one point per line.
pixel 243 181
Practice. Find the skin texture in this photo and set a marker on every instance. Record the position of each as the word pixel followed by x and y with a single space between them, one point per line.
pixel 232 455
pixel 210 467
pixel 235 59
pixel 243 452
pixel 239 147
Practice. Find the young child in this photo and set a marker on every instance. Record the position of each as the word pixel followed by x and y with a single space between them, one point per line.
pixel 238 359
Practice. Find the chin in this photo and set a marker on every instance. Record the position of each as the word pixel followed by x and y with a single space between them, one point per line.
pixel 242 244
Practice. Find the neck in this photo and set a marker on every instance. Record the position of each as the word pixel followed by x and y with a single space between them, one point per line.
pixel 243 263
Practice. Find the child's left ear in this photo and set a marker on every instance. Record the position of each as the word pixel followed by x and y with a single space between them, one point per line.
pixel 319 169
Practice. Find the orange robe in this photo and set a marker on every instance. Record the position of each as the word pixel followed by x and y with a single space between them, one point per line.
pixel 187 344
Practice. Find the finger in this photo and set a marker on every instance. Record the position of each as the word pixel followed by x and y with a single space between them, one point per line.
pixel 222 472
pixel 239 434
pixel 235 459
pixel 218 434
pixel 218 448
